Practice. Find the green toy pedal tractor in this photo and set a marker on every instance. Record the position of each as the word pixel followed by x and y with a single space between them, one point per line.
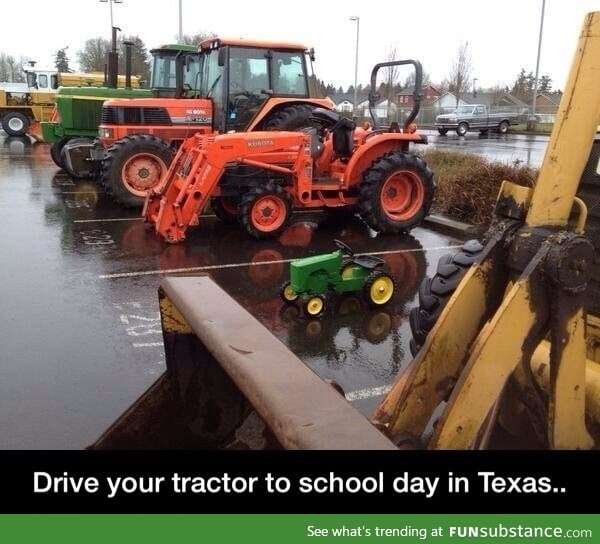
pixel 313 278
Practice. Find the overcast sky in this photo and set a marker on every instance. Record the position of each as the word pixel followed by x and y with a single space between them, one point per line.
pixel 502 36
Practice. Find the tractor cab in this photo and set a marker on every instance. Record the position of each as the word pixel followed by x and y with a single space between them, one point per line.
pixel 241 76
pixel 176 71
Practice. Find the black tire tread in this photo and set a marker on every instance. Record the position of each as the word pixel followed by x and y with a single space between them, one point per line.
pixel 23 117
pixel 435 292
pixel 292 117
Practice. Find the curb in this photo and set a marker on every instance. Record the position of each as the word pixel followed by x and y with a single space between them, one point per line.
pixel 439 220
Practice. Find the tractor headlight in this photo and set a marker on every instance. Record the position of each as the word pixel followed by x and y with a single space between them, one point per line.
pixel 105 132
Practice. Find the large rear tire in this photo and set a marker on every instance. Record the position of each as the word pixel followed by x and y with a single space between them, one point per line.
pixel 291 117
pixel 264 211
pixel 396 192
pixel 435 292
pixel 133 166
pixel 15 123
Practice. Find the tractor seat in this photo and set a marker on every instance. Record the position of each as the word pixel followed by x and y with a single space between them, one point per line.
pixel 367 261
pixel 325 116
pixel 342 130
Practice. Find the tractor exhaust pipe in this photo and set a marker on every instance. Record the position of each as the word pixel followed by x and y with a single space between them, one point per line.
pixel 113 60
pixel 128 49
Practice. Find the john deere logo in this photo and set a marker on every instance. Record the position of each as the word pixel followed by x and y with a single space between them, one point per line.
pixel 260 143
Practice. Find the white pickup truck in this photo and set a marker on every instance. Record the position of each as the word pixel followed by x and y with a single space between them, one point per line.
pixel 474 117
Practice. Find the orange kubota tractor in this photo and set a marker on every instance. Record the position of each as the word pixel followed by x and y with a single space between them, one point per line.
pixel 239 85
pixel 258 177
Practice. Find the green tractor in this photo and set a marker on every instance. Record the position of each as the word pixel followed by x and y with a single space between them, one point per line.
pixel 73 130
pixel 313 278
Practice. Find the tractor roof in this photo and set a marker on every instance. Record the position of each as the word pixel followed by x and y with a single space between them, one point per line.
pixel 175 47
pixel 214 43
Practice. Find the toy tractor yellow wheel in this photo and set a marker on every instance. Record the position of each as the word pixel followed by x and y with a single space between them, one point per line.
pixel 287 293
pixel 315 306
pixel 379 288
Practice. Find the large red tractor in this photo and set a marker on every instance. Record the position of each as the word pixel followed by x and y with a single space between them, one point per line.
pixel 236 85
pixel 257 177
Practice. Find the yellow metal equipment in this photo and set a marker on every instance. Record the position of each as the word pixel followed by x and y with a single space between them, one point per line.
pixel 523 301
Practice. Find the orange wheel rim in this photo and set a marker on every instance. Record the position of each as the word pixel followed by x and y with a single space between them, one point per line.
pixel 402 195
pixel 142 172
pixel 268 213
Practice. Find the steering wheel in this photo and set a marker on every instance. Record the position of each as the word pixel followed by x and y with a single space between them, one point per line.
pixel 238 90
pixel 345 248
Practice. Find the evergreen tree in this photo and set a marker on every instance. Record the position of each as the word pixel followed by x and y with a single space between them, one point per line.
pixel 61 61
pixel 140 62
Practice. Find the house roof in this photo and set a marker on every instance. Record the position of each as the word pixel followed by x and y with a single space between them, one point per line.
pixel 411 90
pixel 338 98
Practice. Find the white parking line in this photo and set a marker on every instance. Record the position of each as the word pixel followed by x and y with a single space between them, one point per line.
pixel 81 192
pixel 107 220
pixel 239 265
pixel 148 344
pixel 113 219
pixel 368 393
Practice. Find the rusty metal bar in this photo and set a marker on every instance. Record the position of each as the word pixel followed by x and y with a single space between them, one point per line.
pixel 300 409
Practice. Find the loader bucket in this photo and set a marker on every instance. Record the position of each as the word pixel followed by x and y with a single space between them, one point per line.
pixel 231 384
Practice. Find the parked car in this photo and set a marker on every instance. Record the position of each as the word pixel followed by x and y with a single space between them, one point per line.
pixel 474 117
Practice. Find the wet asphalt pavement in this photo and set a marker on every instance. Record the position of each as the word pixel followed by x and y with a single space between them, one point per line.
pixel 79 328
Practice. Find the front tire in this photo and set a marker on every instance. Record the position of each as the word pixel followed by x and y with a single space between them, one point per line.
pixel 287 294
pixel 133 166
pixel 396 193
pixel 503 127
pixel 264 211
pixel 15 123
pixel 379 288
pixel 462 129
pixel 315 306
pixel 56 150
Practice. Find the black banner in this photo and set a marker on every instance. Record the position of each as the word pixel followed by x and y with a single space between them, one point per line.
pixel 298 482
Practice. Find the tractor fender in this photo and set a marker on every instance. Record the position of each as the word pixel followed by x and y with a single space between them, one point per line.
pixel 375 146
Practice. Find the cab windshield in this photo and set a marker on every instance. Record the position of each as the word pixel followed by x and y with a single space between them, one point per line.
pixel 164 72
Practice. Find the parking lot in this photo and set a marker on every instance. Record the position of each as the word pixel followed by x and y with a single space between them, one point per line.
pixel 81 335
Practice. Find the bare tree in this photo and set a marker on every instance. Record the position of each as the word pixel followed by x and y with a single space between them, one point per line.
pixel 92 57
pixel 391 77
pixel 195 39
pixel 459 78
pixel 410 80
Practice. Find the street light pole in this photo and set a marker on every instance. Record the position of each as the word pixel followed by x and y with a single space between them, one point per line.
pixel 357 19
pixel 537 64
pixel 180 22
pixel 110 3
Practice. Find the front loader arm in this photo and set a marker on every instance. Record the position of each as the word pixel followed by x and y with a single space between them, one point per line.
pixel 193 177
